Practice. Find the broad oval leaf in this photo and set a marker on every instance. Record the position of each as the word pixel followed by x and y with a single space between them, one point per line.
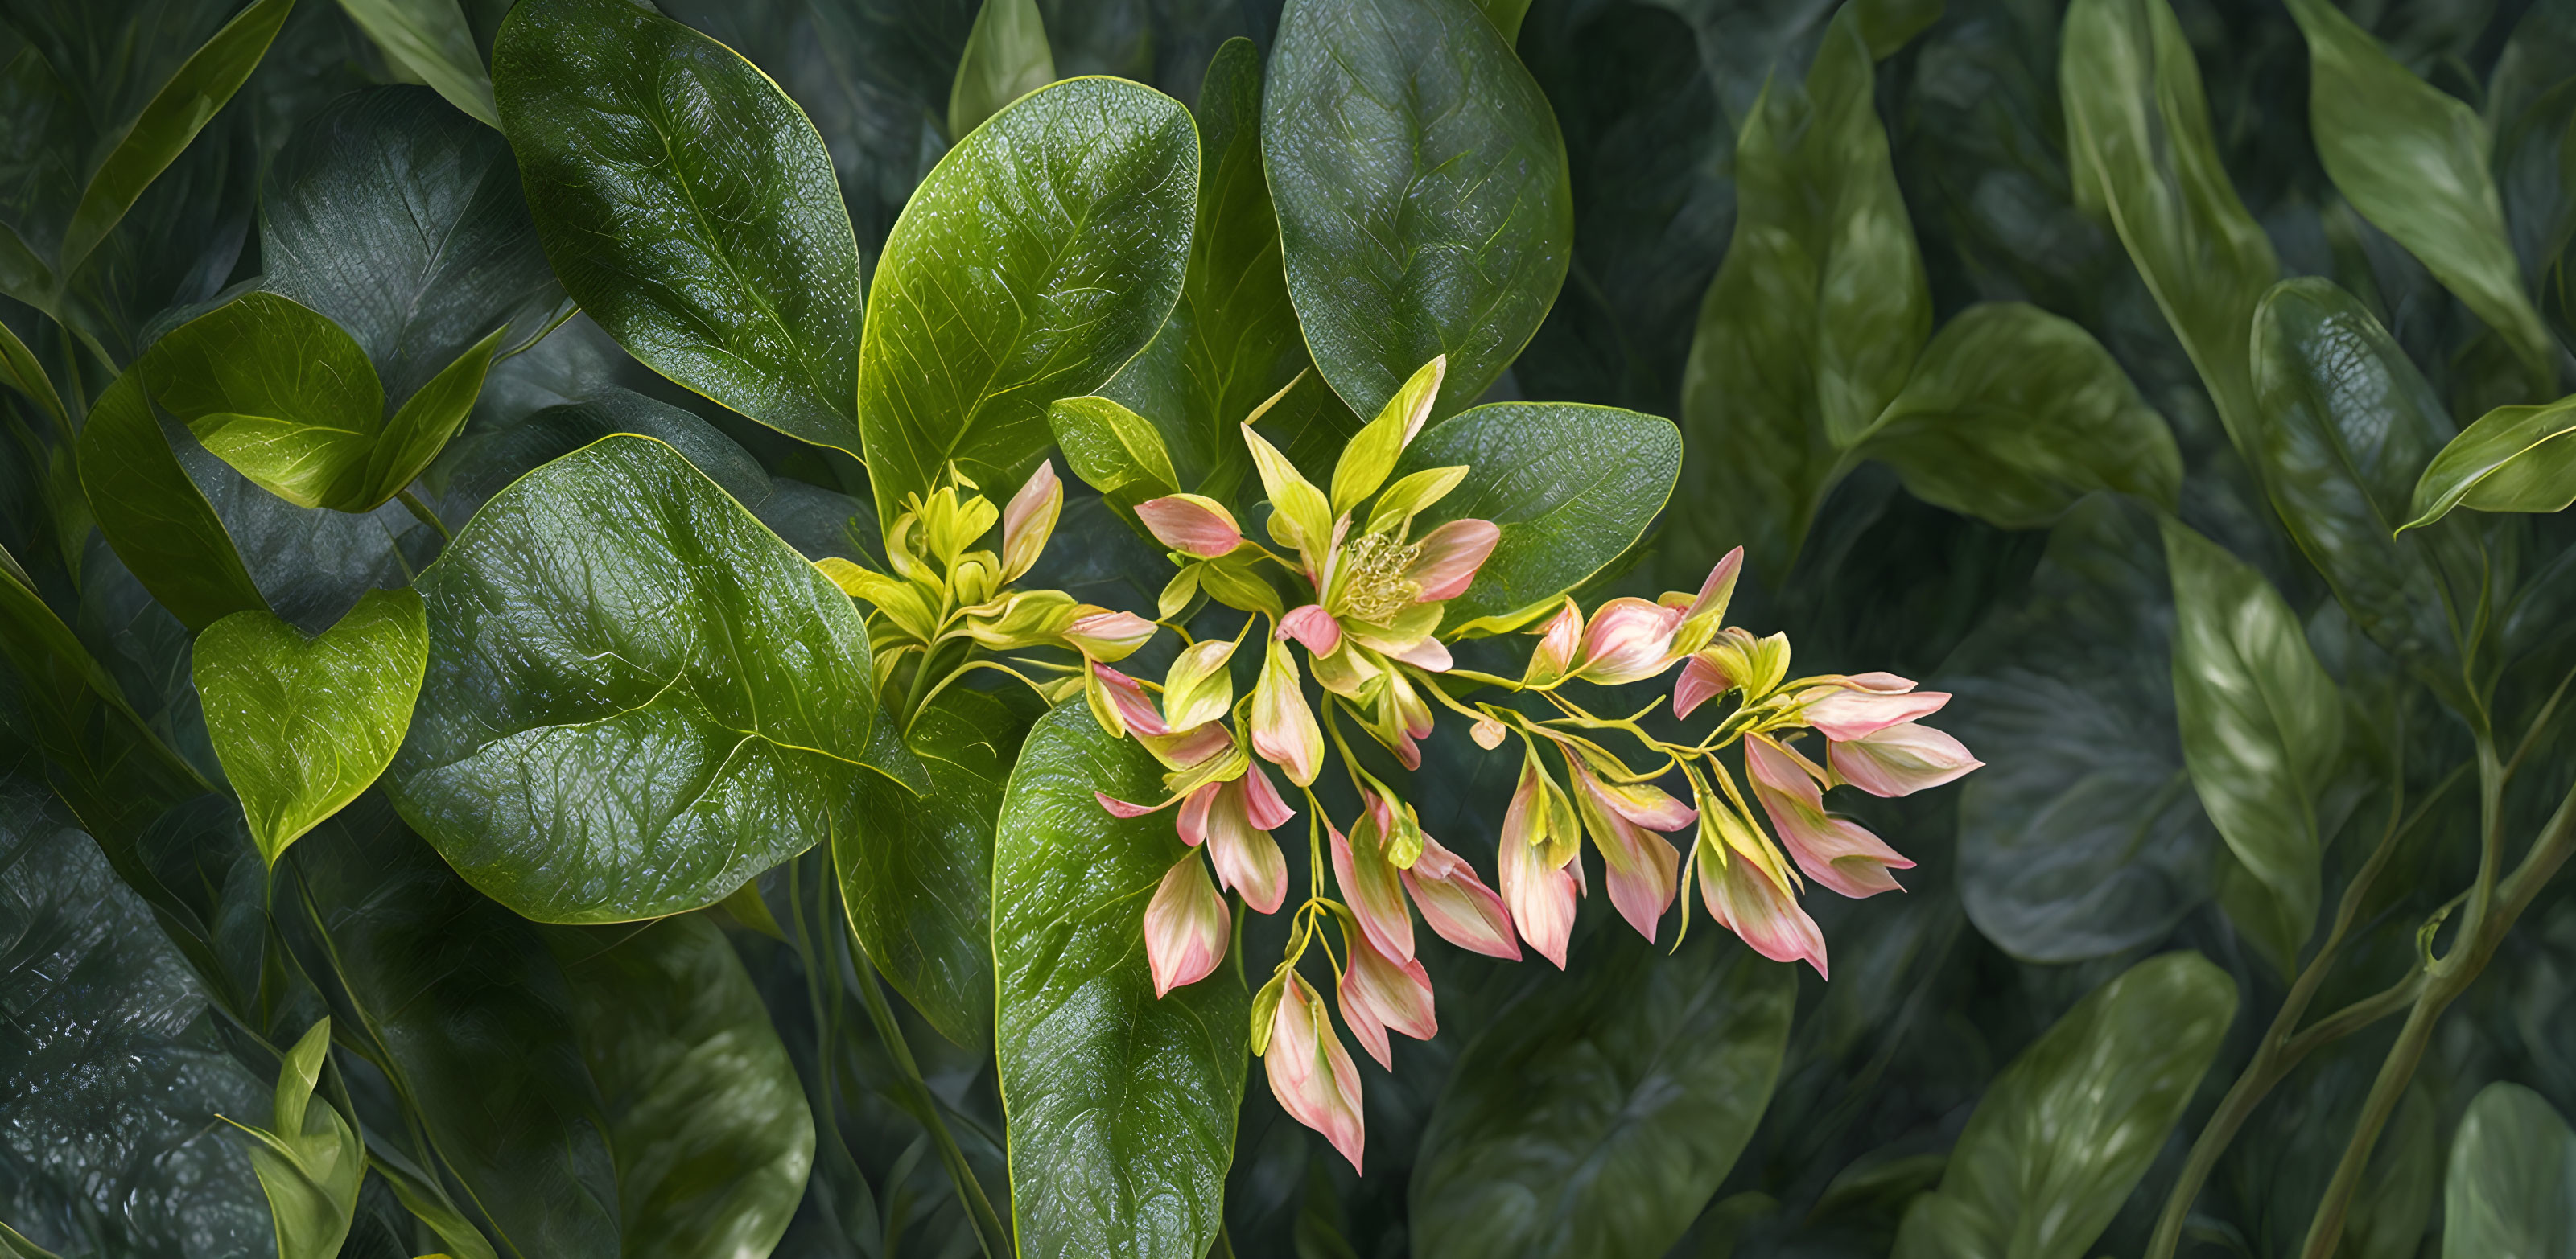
pixel 2066 1131
pixel 2014 413
pixel 160 523
pixel 1538 470
pixel 1121 1107
pixel 1034 261
pixel 690 208
pixel 1598 1119
pixel 1422 193
pixel 276 702
pixel 709 1125
pixel 638 697
pixel 277 391
pixel 2510 460
pixel 2512 1183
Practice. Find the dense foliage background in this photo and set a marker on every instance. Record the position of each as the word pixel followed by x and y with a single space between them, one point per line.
pixel 1966 314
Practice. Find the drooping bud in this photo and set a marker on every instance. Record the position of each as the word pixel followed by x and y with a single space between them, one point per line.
pixel 1557 642
pixel 1239 822
pixel 1372 887
pixel 1864 707
pixel 1310 1073
pixel 1283 724
pixel 1379 992
pixel 1755 904
pixel 1458 905
pixel 1488 733
pixel 1703 613
pixel 1029 519
pixel 1645 804
pixel 1199 688
pixel 1450 556
pixel 1119 704
pixel 1107 636
pixel 1022 619
pixel 1192 524
pixel 1539 895
pixel 1643 867
pixel 1836 852
pixel 1185 927
pixel 1699 683
pixel 1628 640
pixel 1900 760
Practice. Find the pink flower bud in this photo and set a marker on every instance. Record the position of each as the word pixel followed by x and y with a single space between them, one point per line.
pixel 1540 896
pixel 1699 683
pixel 1451 554
pixel 1314 627
pixel 1120 704
pixel 1900 760
pixel 1644 868
pixel 1029 518
pixel 1645 804
pixel 1107 636
pixel 1488 733
pixel 1191 524
pixel 1458 905
pixel 1238 840
pixel 1375 894
pixel 1185 927
pixel 1844 714
pixel 1311 1074
pixel 1836 852
pixel 1557 642
pixel 1283 724
pixel 1379 992
pixel 1702 614
pixel 1628 640
pixel 1749 903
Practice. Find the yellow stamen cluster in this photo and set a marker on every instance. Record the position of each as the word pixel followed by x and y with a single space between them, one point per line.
pixel 1374 587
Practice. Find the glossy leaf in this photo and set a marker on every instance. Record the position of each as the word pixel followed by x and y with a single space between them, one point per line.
pixel 1422 193
pixel 277 391
pixel 2413 160
pixel 1121 1107
pixel 2512 1183
pixel 638 697
pixel 710 1128
pixel 1037 258
pixel 2510 460
pixel 303 725
pixel 2013 414
pixel 2140 152
pixel 308 1158
pixel 1566 513
pixel 1114 450
pixel 430 39
pixel 1817 313
pixel 689 207
pixel 402 220
pixel 157 519
pixel 2067 1130
pixel 1598 1117
pixel 1006 58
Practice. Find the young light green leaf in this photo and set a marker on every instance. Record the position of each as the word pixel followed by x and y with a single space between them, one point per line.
pixel 1371 454
pixel 2141 152
pixel 309 1160
pixel 689 206
pixel 1599 1117
pixel 2262 727
pixel 1114 450
pixel 277 391
pixel 2510 460
pixel 639 696
pixel 1006 58
pixel 1121 1107
pixel 1535 468
pixel 2068 1129
pixel 1076 205
pixel 1423 200
pixel 2512 1183
pixel 425 422
pixel 2013 414
pixel 155 516
pixel 710 1127
pixel 430 39
pixel 164 129
pixel 1816 315
pixel 303 725
pixel 2413 159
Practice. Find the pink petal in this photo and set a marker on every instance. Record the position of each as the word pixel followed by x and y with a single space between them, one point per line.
pixel 1541 897
pixel 1645 804
pixel 1246 858
pixel 1835 852
pixel 1428 654
pixel 1643 867
pixel 1108 636
pixel 1310 1073
pixel 1557 642
pixel 1628 640
pixel 1030 516
pixel 1378 993
pixel 1376 896
pixel 1901 760
pixel 1134 707
pixel 1120 808
pixel 1191 525
pixel 1458 905
pixel 1845 715
pixel 1267 811
pixel 1314 627
pixel 1192 821
pixel 1714 592
pixel 1700 682
pixel 1451 554
pixel 1185 927
pixel 1763 913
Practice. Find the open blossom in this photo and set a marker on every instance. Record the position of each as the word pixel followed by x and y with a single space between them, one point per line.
pixel 1310 1073
pixel 1185 927
pixel 1836 852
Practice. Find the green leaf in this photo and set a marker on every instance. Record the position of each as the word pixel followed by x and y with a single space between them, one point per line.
pixel 2512 1184
pixel 303 725
pixel 157 519
pixel 402 220
pixel 710 1127
pixel 914 855
pixel 277 391
pixel 689 206
pixel 1006 58
pixel 2068 1129
pixel 430 39
pixel 458 1002
pixel 1121 1107
pixel 20 370
pixel 1075 205
pixel 1536 469
pixel 164 129
pixel 1422 193
pixel 309 1160
pixel 1506 16
pixel 2510 460
pixel 1114 450
pixel 2140 151
pixel 2013 414
pixel 1597 1117
pixel 1817 313
pixel 638 697
pixel 2262 729
pixel 2413 160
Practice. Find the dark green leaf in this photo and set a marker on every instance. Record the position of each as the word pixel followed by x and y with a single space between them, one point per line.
pixel 159 522
pixel 1121 1106
pixel 430 39
pixel 2510 460
pixel 1422 194
pixel 1006 58
pixel 275 700
pixel 689 206
pixel 2512 1187
pixel 1596 1118
pixel 712 1135
pixel 2066 1131
pixel 1039 256
pixel 19 367
pixel 638 697
pixel 2013 414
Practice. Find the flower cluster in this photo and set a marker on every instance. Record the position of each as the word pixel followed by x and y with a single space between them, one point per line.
pixel 1369 627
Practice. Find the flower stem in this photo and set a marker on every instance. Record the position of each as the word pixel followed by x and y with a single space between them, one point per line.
pixel 424 514
pixel 970 1191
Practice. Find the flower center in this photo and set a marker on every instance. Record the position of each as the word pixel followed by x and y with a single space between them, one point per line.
pixel 1374 587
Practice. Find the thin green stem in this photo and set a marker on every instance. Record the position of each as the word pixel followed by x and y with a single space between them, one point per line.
pixel 422 512
pixel 970 1191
